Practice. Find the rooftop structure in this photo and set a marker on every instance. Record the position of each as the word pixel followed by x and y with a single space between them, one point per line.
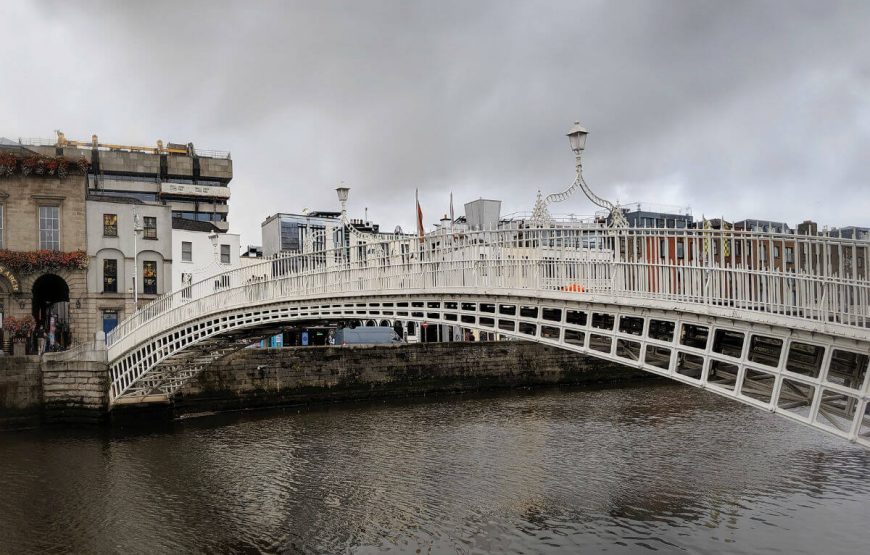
pixel 483 214
pixel 762 225
pixel 314 230
pixel 253 251
pixel 658 216
pixel 194 182
pixel 851 232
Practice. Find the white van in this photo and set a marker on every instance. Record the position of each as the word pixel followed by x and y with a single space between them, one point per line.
pixel 374 335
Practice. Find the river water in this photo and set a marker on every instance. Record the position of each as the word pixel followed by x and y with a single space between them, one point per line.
pixel 626 470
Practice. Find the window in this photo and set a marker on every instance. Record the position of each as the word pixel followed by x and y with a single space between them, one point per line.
pixel 49 228
pixel 681 250
pixel 110 225
pixel 290 236
pixel 149 277
pixel 789 255
pixel 200 216
pixel 186 251
pixel 775 252
pixel 225 254
pixel 110 275
pixel 150 227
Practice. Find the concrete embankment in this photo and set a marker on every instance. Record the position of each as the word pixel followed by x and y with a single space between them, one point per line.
pixel 271 377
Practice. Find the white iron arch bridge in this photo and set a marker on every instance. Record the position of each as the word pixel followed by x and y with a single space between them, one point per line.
pixel 777 321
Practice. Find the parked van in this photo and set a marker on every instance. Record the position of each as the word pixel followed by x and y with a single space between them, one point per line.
pixel 374 335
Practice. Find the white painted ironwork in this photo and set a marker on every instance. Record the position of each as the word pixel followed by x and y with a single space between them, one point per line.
pixel 778 321
pixel 617 218
pixel 540 213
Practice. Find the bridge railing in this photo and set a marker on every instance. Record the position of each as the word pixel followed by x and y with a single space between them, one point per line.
pixel 816 278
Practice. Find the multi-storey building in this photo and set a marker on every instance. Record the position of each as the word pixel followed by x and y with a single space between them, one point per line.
pixel 81 199
pixel 193 182
pixel 129 244
pixel 42 245
pixel 314 231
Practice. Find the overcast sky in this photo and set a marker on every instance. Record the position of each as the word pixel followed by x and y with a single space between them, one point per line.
pixel 744 109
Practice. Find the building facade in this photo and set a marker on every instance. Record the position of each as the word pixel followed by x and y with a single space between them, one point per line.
pixel 301 233
pixel 43 263
pixel 117 244
pixel 199 251
pixel 193 182
pixel 639 215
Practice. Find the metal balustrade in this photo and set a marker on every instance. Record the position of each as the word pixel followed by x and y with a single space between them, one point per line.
pixel 634 263
pixel 811 286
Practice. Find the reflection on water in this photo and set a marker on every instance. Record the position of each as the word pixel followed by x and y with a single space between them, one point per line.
pixel 654 467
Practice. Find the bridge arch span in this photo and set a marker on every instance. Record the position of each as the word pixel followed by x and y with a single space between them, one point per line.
pixel 816 379
pixel 775 320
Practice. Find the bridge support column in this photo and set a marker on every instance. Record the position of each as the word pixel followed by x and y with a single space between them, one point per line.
pixel 75 385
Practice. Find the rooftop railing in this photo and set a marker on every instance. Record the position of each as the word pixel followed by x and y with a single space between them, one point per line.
pixel 200 152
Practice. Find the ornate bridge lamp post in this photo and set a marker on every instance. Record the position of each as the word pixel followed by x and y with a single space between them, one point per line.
pixel 577 139
pixel 343 193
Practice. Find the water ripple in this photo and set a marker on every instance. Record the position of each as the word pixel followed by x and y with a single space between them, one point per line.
pixel 655 468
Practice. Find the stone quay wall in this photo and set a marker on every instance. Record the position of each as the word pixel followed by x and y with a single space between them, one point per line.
pixel 72 387
pixel 75 391
pixel 266 377
pixel 20 391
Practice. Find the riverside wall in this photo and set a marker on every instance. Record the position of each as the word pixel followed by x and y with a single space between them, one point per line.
pixel 66 388
pixel 268 377
pixel 72 387
pixel 20 391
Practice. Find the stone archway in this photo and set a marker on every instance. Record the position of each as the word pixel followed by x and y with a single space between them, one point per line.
pixel 51 309
pixel 9 282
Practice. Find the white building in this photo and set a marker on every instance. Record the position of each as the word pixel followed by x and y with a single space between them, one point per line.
pixel 110 244
pixel 301 233
pixel 200 251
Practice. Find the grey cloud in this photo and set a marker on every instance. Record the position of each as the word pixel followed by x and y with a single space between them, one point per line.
pixel 747 109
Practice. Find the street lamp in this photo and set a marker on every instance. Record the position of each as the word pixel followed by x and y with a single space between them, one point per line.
pixel 577 139
pixel 137 229
pixel 214 243
pixel 343 192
